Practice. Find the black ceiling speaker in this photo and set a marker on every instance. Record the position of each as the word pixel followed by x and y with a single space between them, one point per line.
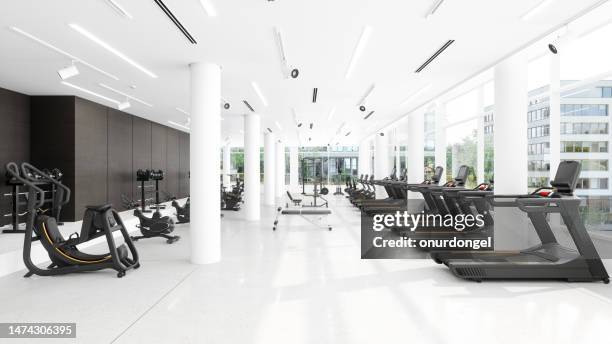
pixel 553 49
pixel 226 106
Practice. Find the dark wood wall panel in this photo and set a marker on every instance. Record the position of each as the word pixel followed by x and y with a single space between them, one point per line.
pixel 120 174
pixel 14 139
pixel 91 155
pixel 172 162
pixel 159 152
pixel 184 164
pixel 52 128
pixel 141 143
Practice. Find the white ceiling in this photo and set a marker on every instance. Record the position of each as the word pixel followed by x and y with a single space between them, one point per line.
pixel 319 37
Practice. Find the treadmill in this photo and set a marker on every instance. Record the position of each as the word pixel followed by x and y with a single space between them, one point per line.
pixel 547 260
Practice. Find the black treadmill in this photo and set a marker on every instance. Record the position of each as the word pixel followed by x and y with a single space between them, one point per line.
pixel 547 260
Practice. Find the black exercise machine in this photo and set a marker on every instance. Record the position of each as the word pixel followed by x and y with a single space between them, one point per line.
pixel 305 213
pixel 182 212
pixel 64 255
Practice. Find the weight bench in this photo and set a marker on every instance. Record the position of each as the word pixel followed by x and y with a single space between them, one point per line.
pixel 305 213
pixel 296 201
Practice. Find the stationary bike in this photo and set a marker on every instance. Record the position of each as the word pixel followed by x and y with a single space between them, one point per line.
pixel 182 213
pixel 155 226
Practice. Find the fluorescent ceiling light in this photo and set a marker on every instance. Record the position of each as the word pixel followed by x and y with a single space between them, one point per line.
pixel 119 9
pixel 259 94
pixel 278 125
pixel 124 105
pixel 536 9
pixel 182 111
pixel 68 72
pixel 125 95
pixel 331 113
pixel 116 102
pixel 415 94
pixel 179 125
pixel 62 52
pixel 366 95
pixel 434 8
pixel 363 40
pixel 208 8
pixel 112 50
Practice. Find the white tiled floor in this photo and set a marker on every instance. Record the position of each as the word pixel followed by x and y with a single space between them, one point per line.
pixel 302 285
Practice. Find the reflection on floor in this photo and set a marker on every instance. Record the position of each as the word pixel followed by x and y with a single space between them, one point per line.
pixel 302 285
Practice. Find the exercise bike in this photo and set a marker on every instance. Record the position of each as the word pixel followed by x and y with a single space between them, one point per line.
pixel 156 225
pixel 182 212
pixel 64 254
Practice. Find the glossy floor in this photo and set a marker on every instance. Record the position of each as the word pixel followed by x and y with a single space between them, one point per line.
pixel 302 285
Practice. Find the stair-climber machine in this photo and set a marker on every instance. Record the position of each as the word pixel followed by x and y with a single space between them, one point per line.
pixel 63 252
pixel 156 226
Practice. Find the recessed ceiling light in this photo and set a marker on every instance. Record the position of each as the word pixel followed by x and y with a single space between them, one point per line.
pixel 179 125
pixel 118 8
pixel 62 52
pixel 68 72
pixel 331 113
pixel 182 111
pixel 112 50
pixel 125 95
pixel 363 40
pixel 208 8
pixel 116 102
pixel 259 94
pixel 415 94
pixel 536 9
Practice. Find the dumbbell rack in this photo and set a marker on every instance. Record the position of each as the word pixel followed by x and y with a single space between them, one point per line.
pixel 143 192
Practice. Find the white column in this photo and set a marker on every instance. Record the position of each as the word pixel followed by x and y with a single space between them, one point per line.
pixel 269 168
pixel 226 165
pixel 381 160
pixel 511 126
pixel 364 158
pixel 555 114
pixel 252 183
pixel 416 147
pixel 280 188
pixel 440 145
pixel 480 137
pixel 205 228
pixel 293 168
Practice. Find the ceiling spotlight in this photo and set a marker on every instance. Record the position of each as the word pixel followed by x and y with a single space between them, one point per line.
pixel 226 106
pixel 300 125
pixel 68 72
pixel 311 125
pixel 122 106
pixel 362 108
pixel 553 48
pixel 295 73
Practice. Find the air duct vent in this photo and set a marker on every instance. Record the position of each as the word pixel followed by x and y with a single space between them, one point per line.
pixel 370 114
pixel 315 91
pixel 435 55
pixel 176 22
pixel 248 105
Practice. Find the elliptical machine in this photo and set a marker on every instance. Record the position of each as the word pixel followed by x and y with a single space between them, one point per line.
pixel 155 226
pixel 64 253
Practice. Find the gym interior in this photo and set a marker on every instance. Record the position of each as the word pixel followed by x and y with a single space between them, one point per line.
pixel 431 171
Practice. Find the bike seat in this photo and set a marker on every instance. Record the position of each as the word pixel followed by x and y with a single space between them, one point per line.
pixel 99 208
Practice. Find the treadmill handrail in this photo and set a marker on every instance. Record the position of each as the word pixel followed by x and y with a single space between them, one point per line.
pixel 543 205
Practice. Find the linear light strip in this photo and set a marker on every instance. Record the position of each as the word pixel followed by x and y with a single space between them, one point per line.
pixel 366 95
pixel 259 93
pixel 119 9
pixel 278 125
pixel 182 111
pixel 331 113
pixel 359 48
pixel 125 94
pixel 536 9
pixel 112 50
pixel 415 94
pixel 179 125
pixel 208 8
pixel 116 102
pixel 248 105
pixel 434 8
pixel 62 52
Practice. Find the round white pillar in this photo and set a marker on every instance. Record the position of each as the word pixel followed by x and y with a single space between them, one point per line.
pixel 279 189
pixel 381 161
pixel 269 168
pixel 416 147
pixel 252 182
pixel 226 165
pixel 364 158
pixel 205 228
pixel 510 127
pixel 293 168
pixel 440 144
